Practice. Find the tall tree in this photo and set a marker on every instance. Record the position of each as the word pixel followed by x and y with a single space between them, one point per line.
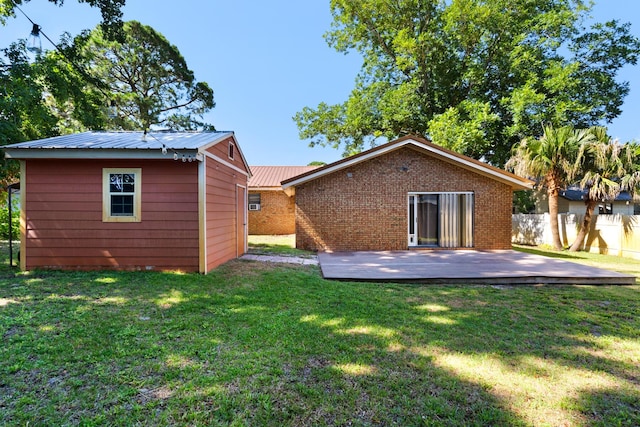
pixel 608 168
pixel 24 113
pixel 145 77
pixel 474 75
pixel 551 161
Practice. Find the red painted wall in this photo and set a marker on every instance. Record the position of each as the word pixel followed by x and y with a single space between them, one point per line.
pixel 64 227
pixel 225 216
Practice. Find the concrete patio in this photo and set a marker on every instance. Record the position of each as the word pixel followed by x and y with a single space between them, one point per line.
pixel 463 266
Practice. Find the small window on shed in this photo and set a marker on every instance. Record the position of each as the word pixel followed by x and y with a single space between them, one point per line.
pixel 254 201
pixel 232 149
pixel 121 189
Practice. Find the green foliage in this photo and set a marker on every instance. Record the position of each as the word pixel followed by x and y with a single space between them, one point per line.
pixel 524 201
pixel 24 114
pixel 552 160
pixel 607 168
pixel 478 76
pixel 145 77
pixel 4 217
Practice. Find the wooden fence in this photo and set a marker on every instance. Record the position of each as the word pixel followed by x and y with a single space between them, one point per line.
pixel 609 234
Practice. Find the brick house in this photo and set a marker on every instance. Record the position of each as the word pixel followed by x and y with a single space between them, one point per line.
pixel 271 211
pixel 132 201
pixel 408 193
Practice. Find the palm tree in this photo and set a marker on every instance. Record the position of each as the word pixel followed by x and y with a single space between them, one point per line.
pixel 551 161
pixel 608 170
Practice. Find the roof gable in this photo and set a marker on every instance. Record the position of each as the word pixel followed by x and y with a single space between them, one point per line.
pixel 422 145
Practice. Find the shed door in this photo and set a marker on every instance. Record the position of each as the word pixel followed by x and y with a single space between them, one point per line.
pixel 241 220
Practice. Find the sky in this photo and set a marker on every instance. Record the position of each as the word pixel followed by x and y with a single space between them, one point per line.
pixel 266 60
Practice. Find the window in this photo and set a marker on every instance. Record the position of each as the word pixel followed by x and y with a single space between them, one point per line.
pixel 605 208
pixel 254 201
pixel 441 220
pixel 121 195
pixel 232 149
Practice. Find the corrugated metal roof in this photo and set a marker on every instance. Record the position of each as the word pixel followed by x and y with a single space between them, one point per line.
pixel 124 141
pixel 272 176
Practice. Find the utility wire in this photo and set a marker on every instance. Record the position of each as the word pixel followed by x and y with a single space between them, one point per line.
pixel 90 79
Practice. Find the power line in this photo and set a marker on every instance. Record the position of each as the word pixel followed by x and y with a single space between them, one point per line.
pixel 37 30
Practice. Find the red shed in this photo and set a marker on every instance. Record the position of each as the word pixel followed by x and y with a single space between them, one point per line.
pixel 132 201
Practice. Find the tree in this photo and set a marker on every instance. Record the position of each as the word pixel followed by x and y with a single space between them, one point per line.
pixel 111 11
pixel 473 75
pixel 24 114
pixel 608 169
pixel 145 79
pixel 551 161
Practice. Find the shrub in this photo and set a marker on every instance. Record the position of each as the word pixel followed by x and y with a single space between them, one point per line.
pixel 4 217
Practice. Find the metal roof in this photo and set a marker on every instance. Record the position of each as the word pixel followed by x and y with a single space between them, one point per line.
pixel 576 194
pixel 124 141
pixel 272 176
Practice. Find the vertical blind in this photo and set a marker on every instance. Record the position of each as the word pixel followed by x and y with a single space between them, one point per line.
pixel 456 220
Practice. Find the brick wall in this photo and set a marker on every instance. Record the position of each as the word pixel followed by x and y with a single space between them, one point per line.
pixel 276 214
pixel 365 207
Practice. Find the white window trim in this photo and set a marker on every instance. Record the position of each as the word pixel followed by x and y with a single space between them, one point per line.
pixel 106 195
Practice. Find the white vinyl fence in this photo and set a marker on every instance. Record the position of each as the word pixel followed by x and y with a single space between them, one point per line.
pixel 609 234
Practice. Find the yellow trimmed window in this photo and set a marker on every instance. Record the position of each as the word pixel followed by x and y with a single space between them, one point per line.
pixel 121 194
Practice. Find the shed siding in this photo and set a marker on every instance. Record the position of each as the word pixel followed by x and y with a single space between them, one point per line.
pixel 64 227
pixel 365 206
pixel 276 214
pixel 223 217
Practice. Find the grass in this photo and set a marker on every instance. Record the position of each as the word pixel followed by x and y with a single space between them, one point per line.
pixel 609 262
pixel 266 344
pixel 276 245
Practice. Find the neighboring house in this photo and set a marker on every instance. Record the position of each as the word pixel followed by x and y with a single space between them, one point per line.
pixel 571 201
pixel 271 211
pixel 408 193
pixel 126 200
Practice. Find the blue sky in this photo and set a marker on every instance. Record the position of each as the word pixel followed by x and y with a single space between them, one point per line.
pixel 267 60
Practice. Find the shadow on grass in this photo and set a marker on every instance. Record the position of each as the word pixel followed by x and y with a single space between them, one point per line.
pixel 259 344
pixel 547 253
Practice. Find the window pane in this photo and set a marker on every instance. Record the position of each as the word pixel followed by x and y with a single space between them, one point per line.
pixel 115 183
pixel 128 182
pixel 254 198
pixel 121 205
pixel 428 219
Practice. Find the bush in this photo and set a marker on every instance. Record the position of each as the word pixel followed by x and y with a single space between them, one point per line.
pixel 4 217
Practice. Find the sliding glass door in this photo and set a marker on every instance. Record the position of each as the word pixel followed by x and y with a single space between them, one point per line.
pixel 442 220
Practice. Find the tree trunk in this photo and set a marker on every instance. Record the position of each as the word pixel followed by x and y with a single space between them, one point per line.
pixel 586 225
pixel 552 193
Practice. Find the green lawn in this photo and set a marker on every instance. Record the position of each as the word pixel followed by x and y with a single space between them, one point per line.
pixel 262 344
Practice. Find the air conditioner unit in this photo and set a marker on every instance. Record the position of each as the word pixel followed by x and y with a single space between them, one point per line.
pixel 254 207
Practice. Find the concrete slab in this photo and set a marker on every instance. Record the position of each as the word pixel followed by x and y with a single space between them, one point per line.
pixel 281 258
pixel 463 266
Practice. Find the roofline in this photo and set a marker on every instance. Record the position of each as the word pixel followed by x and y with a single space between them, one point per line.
pixel 268 188
pixel 146 153
pixel 516 182
pixel 92 153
